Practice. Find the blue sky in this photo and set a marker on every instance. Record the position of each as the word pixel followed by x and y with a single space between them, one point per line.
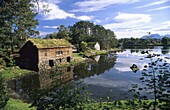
pixel 127 18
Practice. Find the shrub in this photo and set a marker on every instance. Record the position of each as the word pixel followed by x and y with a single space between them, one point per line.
pixel 156 79
pixel 3 92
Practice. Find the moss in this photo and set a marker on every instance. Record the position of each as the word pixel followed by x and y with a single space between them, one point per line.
pixel 49 43
pixel 16 104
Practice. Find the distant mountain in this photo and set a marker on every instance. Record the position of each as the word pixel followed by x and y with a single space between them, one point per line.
pixel 155 36
pixel 167 35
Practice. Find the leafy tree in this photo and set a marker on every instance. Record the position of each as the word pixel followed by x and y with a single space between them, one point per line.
pixel 63 33
pixel 89 32
pixel 51 36
pixel 3 92
pixel 17 22
pixel 165 41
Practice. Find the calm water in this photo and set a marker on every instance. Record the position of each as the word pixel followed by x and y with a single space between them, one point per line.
pixel 108 75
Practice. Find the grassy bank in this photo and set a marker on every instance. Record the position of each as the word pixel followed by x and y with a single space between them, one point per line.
pixel 14 72
pixel 86 56
pixel 16 104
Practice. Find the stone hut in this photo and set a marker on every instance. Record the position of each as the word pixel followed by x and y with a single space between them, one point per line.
pixel 37 53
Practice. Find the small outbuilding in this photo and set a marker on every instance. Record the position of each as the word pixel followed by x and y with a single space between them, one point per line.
pixel 97 46
pixel 36 53
pixel 94 45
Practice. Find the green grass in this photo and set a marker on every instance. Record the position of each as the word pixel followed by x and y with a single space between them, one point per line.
pixel 99 52
pixel 119 105
pixel 77 55
pixel 13 72
pixel 16 104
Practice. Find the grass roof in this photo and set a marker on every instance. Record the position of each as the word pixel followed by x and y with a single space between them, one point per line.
pixel 49 43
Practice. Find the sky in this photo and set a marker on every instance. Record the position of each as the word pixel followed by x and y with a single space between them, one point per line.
pixel 127 18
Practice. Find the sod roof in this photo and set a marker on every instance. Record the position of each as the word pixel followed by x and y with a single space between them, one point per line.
pixel 50 43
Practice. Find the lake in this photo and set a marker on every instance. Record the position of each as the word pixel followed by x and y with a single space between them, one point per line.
pixel 107 75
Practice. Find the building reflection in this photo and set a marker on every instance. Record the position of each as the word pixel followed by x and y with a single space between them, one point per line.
pixel 29 87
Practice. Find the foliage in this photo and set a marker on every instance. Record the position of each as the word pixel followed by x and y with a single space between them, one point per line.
pixel 62 97
pixel 156 77
pixel 2 62
pixel 89 32
pixel 83 46
pixel 13 72
pixel 17 23
pixel 127 42
pixel 165 41
pixel 63 33
pixel 3 92
pixel 16 104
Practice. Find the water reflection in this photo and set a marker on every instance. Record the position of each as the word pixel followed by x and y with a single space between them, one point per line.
pixel 165 49
pixel 105 62
pixel 107 75
pixel 29 87
pixel 23 88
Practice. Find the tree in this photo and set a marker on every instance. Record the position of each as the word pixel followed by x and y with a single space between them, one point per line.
pixel 63 33
pixel 17 22
pixel 89 32
pixel 165 41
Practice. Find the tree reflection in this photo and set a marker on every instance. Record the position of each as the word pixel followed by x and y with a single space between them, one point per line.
pixel 84 70
pixel 165 50
pixel 25 88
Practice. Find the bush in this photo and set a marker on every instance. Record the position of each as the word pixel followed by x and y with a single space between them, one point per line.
pixel 83 46
pixel 2 62
pixel 3 92
pixel 16 104
pixel 62 98
pixel 156 79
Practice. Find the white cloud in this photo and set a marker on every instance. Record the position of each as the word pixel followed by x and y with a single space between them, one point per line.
pixel 51 1
pixel 162 28
pixel 55 12
pixel 153 3
pixel 125 30
pixel 96 5
pixel 85 17
pixel 97 21
pixel 126 17
pixel 160 8
pixel 134 34
pixel 128 25
pixel 42 33
pixel 51 27
pixel 126 21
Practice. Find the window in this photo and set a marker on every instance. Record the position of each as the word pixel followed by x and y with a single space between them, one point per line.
pixel 59 52
pixel 45 54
